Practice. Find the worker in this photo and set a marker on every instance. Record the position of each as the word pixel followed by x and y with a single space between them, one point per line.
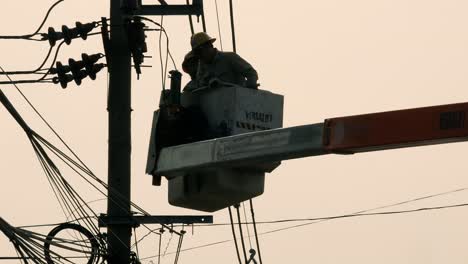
pixel 190 66
pixel 219 66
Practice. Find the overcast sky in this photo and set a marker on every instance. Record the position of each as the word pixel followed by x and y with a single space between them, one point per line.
pixel 328 58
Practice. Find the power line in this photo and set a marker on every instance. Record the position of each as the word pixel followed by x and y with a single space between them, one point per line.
pixel 247 226
pixel 65 158
pixel 356 214
pixel 255 231
pixel 190 20
pixel 239 222
pixel 47 225
pixel 168 52
pixel 319 220
pixel 41 79
pixel 233 30
pixel 234 235
pixel 163 67
pixel 28 36
pixel 35 70
pixel 47 16
pixel 219 26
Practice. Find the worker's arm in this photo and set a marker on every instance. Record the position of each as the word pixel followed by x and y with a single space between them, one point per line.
pixel 244 68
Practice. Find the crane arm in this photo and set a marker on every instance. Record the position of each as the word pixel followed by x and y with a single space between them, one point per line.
pixel 341 135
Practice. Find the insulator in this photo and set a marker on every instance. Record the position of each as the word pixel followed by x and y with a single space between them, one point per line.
pixel 90 60
pixel 137 42
pixel 61 69
pixel 62 77
pixel 69 34
pixel 75 66
pixel 53 36
pixel 139 31
pixel 94 70
pixel 84 29
pixel 64 80
pixel 79 76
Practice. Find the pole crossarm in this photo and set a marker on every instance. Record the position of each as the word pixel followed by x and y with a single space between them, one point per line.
pixel 165 10
pixel 135 221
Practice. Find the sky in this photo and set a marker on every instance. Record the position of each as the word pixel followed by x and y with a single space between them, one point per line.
pixel 329 59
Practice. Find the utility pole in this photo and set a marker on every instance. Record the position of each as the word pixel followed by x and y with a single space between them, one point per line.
pixel 119 109
pixel 119 220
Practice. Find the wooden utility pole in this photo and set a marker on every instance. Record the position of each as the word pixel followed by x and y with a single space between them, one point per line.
pixel 119 109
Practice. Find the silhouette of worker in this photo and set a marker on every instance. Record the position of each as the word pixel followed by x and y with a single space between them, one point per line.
pixel 190 66
pixel 221 66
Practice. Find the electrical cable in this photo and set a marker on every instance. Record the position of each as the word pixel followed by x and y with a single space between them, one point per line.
pixel 63 156
pixel 29 244
pixel 190 20
pixel 31 258
pixel 136 242
pixel 40 80
pixel 50 171
pixel 86 204
pixel 67 197
pixel 46 16
pixel 255 230
pixel 76 199
pixel 168 53
pixel 35 70
pixel 42 225
pixel 219 27
pixel 99 181
pixel 179 246
pixel 203 22
pixel 240 232
pixel 233 31
pixel 247 226
pixel 45 163
pixel 159 250
pixel 28 36
pixel 146 235
pixel 321 219
pixel 167 245
pixel 152 231
pixel 163 67
pixel 27 81
pixel 234 235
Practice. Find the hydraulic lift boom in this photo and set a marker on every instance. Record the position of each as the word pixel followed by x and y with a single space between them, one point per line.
pixel 342 135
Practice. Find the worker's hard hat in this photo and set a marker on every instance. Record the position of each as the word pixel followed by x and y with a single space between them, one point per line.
pixel 199 39
pixel 189 57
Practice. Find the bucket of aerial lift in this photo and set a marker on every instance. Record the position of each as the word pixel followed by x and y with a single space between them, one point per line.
pixel 232 110
pixel 214 112
pixel 213 190
pixel 228 110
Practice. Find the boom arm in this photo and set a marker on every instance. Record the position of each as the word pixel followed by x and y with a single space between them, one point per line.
pixel 342 135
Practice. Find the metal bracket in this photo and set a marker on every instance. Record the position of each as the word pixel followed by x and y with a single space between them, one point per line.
pixel 135 221
pixel 163 10
pixel 106 41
